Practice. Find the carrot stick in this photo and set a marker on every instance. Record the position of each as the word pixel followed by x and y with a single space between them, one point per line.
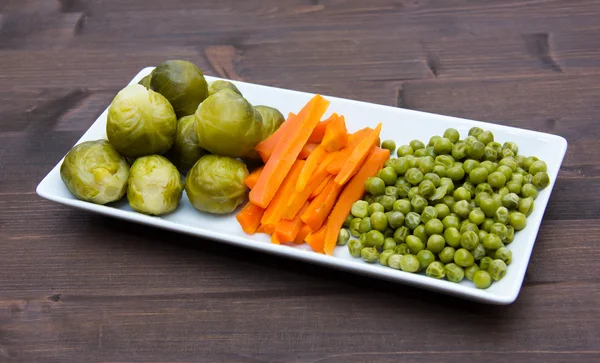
pixel 297 199
pixel 301 236
pixel 312 162
pixel 252 178
pixel 307 150
pixel 353 191
pixel 336 135
pixel 287 229
pixel 265 148
pixel 343 155
pixel 261 229
pixel 319 131
pixel 317 240
pixel 274 213
pixel 268 229
pixel 275 239
pixel 357 157
pixel 286 152
pixel 320 187
pixel 319 208
pixel 249 217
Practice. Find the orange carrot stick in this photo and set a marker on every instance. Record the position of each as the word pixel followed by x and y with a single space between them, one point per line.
pixel 357 157
pixel 287 150
pixel 261 229
pixel 297 199
pixel 252 178
pixel 307 150
pixel 336 135
pixel 249 217
pixel 268 229
pixel 312 162
pixel 343 154
pixel 319 208
pixel 287 230
pixel 317 240
pixel 320 187
pixel 274 213
pixel 265 148
pixel 301 236
pixel 275 239
pixel 319 131
pixel 353 191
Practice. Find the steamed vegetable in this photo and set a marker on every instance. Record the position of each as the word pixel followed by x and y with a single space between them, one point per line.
pixel 272 119
pixel 218 85
pixel 186 150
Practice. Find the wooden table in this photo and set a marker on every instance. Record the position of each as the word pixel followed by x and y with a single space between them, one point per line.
pixel 77 287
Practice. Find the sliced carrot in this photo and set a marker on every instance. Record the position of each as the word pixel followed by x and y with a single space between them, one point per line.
pixel 275 239
pixel 268 229
pixel 274 213
pixel 307 150
pixel 287 229
pixel 319 208
pixel 336 135
pixel 297 199
pixel 343 154
pixel 265 148
pixel 286 151
pixel 301 236
pixel 320 187
pixel 352 192
pixel 312 162
pixel 249 217
pixel 317 240
pixel 357 157
pixel 252 178
pixel 261 229
pixel 319 131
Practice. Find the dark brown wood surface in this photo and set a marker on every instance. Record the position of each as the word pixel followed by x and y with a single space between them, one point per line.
pixel 77 287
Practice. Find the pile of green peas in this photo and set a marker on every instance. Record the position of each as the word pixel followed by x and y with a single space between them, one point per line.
pixel 447 208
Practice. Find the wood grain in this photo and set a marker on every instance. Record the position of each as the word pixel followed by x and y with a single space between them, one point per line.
pixel 77 287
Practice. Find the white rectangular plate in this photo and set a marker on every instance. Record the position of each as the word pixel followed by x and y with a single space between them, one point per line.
pixel 398 124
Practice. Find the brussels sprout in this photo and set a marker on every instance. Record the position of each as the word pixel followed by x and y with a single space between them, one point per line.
pixel 182 83
pixel 140 122
pixel 215 184
pixel 218 85
pixel 271 120
pixel 146 81
pixel 186 150
pixel 155 185
pixel 95 172
pixel 228 125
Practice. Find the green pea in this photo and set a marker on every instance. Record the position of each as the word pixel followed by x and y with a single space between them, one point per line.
pixel 442 210
pixel 479 252
pixel 426 188
pixel 418 203
pixel 527 179
pixel 484 264
pixel 496 179
pixel 434 226
pixel 443 146
pixel 425 258
pixel 452 134
pixel 389 232
pixel 514 186
pixel 511 234
pixel 389 144
pixel 403 190
pixel 477 216
pixel 417 144
pixel 501 215
pixel 369 254
pixel 507 171
pixel 454 272
pixel 394 261
pixel 343 237
pixel 444 160
pixel 400 165
pixel 460 150
pixel 363 239
pixel 541 180
pixel 433 139
pixel 428 214
pixel 517 178
pixel 420 233
pixel 360 209
pixel 451 221
pixel 489 206
pixel 434 178
pixel 412 160
pixel 492 242
pixel 469 165
pixel 497 269
pixel 404 150
pixel 436 270
pixel 509 145
pixel 374 238
pixel 386 201
pixel 374 207
pixel 402 249
pixel 484 187
pixel 435 243
pixel 506 153
pixel 414 176
pixel 388 175
pixel 455 173
pixel 537 166
pixel 517 220
pixel 354 227
pixel 365 225
pixel 395 219
pixel 384 256
pixel 461 193
pixel 480 196
pixel 375 186
pixel 510 201
pixel 475 131
pixel 467 225
pixel 489 166
pixel 504 254
pixel 388 244
pixel 446 255
pixel 470 187
pixel 379 221
pixel 355 247
pixel 463 258
pixel 400 234
pixel 520 159
pixel 482 279
pixel 478 175
pixel 470 272
pixel 403 206
pixel 526 206
pixel 448 200
pixel 476 150
pixel 500 230
pixel 369 198
pixel 439 170
pixel 420 152
pixel 348 220
pixel 462 208
pixel 469 240
pixel 392 191
pixel 452 237
pixel 487 224
pixel 412 220
pixel 412 192
pixel 410 263
pixel 414 243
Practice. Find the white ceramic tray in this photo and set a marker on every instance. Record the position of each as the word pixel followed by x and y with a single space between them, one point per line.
pixel 398 124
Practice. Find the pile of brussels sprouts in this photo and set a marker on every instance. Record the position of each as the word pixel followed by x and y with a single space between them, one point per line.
pixel 171 124
pixel 448 208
